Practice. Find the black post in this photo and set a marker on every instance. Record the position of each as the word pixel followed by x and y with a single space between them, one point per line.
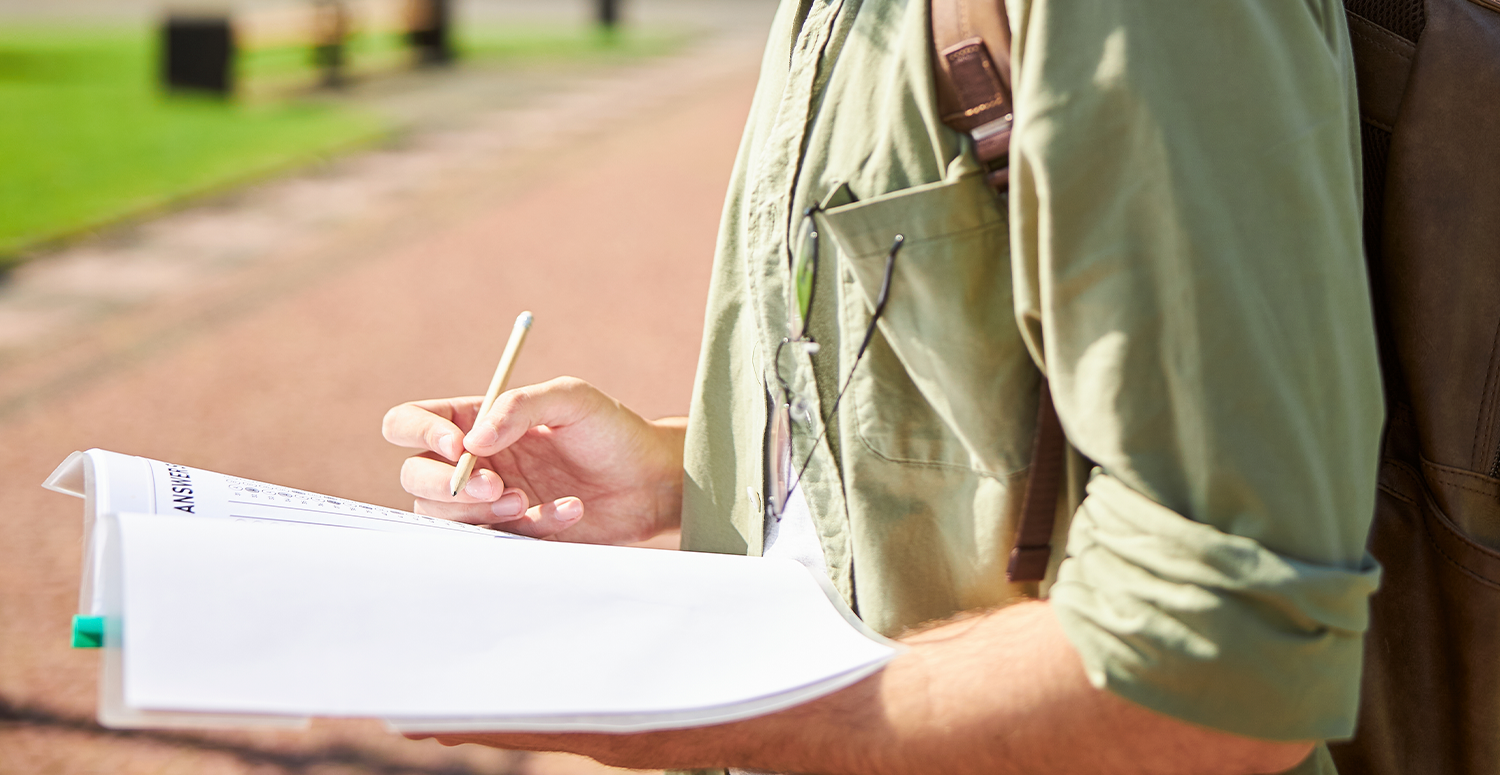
pixel 331 26
pixel 609 14
pixel 198 54
pixel 430 32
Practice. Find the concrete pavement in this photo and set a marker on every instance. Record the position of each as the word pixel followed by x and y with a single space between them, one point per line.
pixel 266 332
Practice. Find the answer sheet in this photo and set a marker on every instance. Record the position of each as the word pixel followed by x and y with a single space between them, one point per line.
pixel 112 483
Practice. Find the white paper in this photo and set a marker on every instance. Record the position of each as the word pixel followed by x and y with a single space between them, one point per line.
pixel 248 617
pixel 112 482
pixel 260 604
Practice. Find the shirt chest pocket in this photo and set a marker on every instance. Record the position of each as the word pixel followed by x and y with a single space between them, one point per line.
pixel 947 378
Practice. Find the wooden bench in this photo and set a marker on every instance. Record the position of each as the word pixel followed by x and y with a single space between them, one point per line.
pixel 201 50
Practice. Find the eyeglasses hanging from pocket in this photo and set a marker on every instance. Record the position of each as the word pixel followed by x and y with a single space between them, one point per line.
pixel 803 290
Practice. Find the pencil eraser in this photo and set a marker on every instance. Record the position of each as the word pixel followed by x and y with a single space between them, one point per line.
pixel 88 632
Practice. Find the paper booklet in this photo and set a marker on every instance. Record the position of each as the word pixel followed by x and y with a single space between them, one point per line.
pixel 226 601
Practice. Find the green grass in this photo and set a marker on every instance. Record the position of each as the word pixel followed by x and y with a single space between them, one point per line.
pixel 485 45
pixel 87 137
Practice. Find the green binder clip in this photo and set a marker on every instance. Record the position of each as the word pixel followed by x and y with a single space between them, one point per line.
pixel 88 632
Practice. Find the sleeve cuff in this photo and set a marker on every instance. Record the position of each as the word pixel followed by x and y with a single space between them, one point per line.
pixel 1209 627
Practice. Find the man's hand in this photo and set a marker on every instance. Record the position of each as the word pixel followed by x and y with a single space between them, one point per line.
pixel 547 454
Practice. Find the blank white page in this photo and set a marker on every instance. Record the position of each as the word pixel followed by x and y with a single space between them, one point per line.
pixel 261 617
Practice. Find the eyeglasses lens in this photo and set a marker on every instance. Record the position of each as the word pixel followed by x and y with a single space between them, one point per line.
pixel 805 275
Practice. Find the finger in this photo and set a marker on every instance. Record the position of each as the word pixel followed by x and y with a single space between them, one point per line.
pixel 429 425
pixel 427 477
pixel 555 403
pixel 547 519
pixel 509 507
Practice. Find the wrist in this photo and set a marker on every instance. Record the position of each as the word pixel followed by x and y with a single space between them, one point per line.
pixel 671 435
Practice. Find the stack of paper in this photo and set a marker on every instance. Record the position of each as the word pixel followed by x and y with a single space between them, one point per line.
pixel 228 601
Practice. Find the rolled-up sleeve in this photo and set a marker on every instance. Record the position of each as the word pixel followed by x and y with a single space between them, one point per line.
pixel 1186 236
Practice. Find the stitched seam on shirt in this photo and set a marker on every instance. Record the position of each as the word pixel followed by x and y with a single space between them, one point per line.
pixel 938 464
pixel 829 20
pixel 959 467
pixel 923 240
pixel 857 406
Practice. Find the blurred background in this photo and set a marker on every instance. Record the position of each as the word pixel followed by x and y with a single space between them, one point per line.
pixel 234 232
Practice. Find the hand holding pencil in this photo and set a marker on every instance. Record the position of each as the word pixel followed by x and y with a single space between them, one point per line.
pixel 529 460
pixel 497 386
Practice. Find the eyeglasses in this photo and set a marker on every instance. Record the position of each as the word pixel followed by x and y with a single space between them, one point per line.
pixel 803 286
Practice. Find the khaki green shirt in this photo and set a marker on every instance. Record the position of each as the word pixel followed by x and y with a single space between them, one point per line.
pixel 1179 252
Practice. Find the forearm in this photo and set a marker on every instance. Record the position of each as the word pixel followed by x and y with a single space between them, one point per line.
pixel 1001 692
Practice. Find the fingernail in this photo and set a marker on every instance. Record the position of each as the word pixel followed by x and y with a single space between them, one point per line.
pixel 482 437
pixel 449 447
pixel 509 505
pixel 569 509
pixel 479 487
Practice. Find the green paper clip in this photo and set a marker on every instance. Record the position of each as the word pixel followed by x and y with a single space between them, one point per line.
pixel 88 632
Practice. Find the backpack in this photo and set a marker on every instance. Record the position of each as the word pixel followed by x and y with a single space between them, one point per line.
pixel 1429 95
pixel 1428 74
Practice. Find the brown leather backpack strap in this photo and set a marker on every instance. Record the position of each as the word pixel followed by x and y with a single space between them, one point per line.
pixel 971 39
pixel 971 43
pixel 1028 561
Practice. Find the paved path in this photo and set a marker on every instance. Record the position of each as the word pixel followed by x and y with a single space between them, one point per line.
pixel 265 333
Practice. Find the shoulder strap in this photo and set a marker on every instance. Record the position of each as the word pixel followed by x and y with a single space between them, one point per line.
pixel 971 42
pixel 1033 550
pixel 971 39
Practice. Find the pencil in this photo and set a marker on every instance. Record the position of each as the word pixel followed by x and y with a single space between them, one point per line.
pixel 497 386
